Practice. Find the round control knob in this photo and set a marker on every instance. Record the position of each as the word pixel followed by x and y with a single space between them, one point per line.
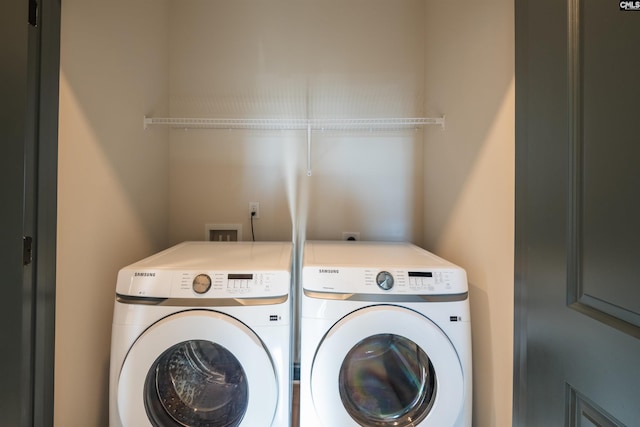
pixel 384 279
pixel 201 283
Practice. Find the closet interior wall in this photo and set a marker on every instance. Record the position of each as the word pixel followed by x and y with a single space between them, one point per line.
pixel 300 60
pixel 126 192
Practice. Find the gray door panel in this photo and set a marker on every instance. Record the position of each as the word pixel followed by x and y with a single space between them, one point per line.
pixel 577 214
pixel 606 154
pixel 29 53
pixel 16 112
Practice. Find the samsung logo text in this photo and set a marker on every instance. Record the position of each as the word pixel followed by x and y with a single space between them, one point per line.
pixel 329 271
pixel 137 274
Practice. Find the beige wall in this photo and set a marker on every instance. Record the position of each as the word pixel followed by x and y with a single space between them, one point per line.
pixel 113 183
pixel 125 192
pixel 469 179
pixel 297 59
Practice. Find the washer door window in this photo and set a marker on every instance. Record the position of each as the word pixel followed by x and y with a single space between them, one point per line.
pixel 386 366
pixel 197 368
pixel 196 383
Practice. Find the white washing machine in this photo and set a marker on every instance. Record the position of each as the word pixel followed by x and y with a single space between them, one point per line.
pixel 202 337
pixel 385 337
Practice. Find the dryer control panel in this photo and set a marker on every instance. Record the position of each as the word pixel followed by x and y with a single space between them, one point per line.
pixel 430 280
pixel 378 268
pixel 436 281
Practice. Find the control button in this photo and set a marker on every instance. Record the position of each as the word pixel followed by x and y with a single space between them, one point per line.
pixel 384 279
pixel 201 283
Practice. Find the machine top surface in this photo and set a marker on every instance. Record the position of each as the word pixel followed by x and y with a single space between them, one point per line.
pixel 220 256
pixel 370 255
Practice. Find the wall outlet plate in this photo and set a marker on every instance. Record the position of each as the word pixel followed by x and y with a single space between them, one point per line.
pixel 254 207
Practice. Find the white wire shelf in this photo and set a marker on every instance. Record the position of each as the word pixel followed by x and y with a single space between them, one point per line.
pixel 381 124
pixel 308 125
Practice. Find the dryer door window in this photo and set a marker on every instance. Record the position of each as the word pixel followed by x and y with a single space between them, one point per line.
pixel 386 380
pixel 196 383
pixel 384 366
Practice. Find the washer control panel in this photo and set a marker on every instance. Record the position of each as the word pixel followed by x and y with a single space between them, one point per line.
pixel 222 284
pixel 207 284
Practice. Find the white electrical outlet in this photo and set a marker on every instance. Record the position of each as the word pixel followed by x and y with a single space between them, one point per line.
pixel 350 235
pixel 254 210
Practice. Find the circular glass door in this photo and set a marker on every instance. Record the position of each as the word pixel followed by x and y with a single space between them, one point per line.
pixel 387 379
pixel 196 383
pixel 197 368
pixel 385 366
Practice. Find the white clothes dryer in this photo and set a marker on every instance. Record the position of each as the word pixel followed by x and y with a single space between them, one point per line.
pixel 385 337
pixel 201 336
